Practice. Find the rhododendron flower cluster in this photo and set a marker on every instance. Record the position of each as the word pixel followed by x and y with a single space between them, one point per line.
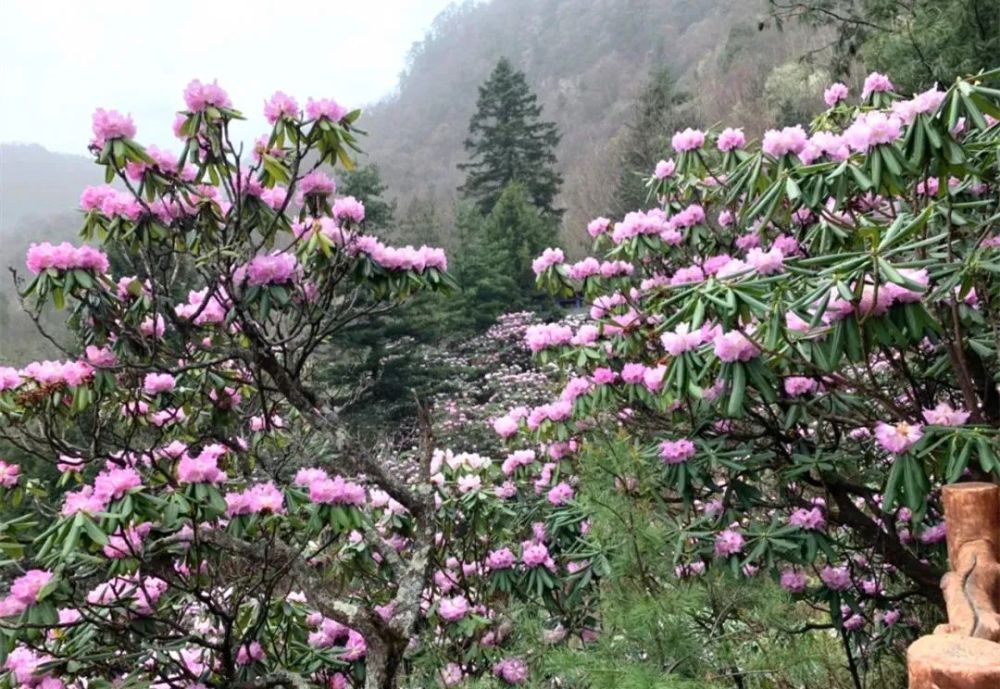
pixel 65 256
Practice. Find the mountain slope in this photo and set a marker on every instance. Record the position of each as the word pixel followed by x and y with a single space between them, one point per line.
pixel 586 60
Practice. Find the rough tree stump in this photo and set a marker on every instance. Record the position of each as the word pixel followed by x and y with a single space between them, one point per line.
pixel 965 652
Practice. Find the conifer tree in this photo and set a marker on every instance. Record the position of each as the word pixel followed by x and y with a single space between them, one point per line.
pixel 508 142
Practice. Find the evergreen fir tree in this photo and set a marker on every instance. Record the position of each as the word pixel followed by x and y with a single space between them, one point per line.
pixel 509 143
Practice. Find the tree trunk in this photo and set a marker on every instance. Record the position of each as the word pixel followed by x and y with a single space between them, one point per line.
pixel 384 665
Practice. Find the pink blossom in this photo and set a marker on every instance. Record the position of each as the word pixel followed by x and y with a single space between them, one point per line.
pixel 633 373
pixel 273 269
pixel 325 107
pixel 336 491
pixel 468 483
pixel 453 609
pixel 511 670
pixel 9 378
pixel 664 169
pixel 898 438
pixel 811 519
pixel 793 581
pixel 349 208
pixel 922 104
pixel 677 451
pixel 836 578
pixel 835 93
pixel 598 226
pixel 681 340
pixel 155 383
pixel 199 96
pixel 728 542
pixel 500 559
pixel 9 474
pixel 652 378
pixel 505 426
pixel 944 415
pixel 873 129
pixel 65 256
pixel 560 494
pixel 768 262
pixel 535 555
pixel 796 386
pixel 111 124
pixel 315 183
pixel 778 143
pixel 550 257
pixel 83 500
pixel 731 139
pixel 280 105
pixel 98 357
pixel 876 83
pixel 203 468
pixel 126 543
pixel 114 483
pixel 249 653
pixel 734 346
pixel 687 140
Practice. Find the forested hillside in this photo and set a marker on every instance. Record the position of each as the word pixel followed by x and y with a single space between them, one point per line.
pixel 589 62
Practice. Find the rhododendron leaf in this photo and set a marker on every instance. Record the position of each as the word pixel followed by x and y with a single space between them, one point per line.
pixel 737 393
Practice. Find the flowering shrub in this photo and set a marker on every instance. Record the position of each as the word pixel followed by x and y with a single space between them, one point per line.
pixel 804 347
pixel 198 535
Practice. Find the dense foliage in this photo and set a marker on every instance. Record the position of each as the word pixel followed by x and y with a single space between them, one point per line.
pixel 208 526
pixel 801 339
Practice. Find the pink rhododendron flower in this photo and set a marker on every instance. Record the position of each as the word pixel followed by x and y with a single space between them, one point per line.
pixel 511 670
pixel 199 96
pixel 65 256
pixel 349 208
pixel 155 383
pixel 280 105
pixel 560 494
pixel 111 124
pixel 876 83
pixel 550 257
pixel 811 519
pixel 325 107
pixel 793 581
pixel 687 140
pixel 728 542
pixel 500 559
pixel 944 415
pixel 898 438
pixel 796 386
pixel 766 262
pixel 203 468
pixel 836 578
pixel 677 451
pixel 598 226
pixel 734 346
pixel 453 609
pixel 664 169
pixel 835 93
pixel 730 139
pixel 9 474
pixel 781 142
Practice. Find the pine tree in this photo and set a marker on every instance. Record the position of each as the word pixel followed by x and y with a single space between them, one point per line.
pixel 509 143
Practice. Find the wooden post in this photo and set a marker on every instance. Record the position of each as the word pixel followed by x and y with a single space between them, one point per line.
pixel 964 653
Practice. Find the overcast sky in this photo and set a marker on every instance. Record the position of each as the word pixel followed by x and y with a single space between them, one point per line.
pixel 61 59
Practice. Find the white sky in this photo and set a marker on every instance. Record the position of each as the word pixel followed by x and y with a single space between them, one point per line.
pixel 61 59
